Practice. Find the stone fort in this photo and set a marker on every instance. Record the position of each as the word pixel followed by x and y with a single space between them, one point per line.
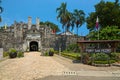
pixel 34 37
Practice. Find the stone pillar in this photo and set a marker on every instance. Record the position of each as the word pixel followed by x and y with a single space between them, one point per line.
pixel 1 53
pixel 37 23
pixel 39 45
pixel 29 23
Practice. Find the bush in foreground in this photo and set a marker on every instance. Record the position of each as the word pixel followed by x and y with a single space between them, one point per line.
pixel 5 54
pixel 20 54
pixel 12 53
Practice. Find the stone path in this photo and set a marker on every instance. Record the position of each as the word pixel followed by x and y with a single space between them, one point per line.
pixel 32 66
pixel 36 67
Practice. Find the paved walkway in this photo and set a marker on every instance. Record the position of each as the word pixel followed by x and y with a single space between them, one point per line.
pixel 36 67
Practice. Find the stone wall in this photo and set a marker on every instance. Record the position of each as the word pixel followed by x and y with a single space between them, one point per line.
pixel 62 41
pixel 16 38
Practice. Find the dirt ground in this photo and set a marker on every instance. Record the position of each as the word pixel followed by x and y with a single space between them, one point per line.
pixel 36 67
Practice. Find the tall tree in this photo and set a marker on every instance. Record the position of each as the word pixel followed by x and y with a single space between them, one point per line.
pixel 78 18
pixel 63 14
pixel 108 13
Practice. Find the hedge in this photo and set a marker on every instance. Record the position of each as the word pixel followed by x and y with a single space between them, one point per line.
pixel 104 62
pixel 71 55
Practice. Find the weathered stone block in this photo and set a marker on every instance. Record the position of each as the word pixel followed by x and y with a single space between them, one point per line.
pixel 1 53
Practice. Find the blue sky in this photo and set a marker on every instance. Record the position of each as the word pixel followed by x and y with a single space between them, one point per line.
pixel 19 10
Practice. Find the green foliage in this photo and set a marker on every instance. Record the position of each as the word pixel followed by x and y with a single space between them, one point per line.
pixel 101 57
pixel 20 54
pixel 56 52
pixel 5 54
pixel 12 53
pixel 101 10
pixel 115 56
pixel 12 50
pixel 69 19
pixel 51 25
pixel 73 48
pixel 46 53
pixel 104 62
pixel 110 33
pixel 75 56
pixel 51 50
pixel 107 33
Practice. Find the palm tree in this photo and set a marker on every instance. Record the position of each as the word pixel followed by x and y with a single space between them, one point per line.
pixel 62 12
pixel 64 17
pixel 78 18
pixel 69 20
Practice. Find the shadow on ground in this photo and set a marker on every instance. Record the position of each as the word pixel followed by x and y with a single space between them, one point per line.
pixel 72 77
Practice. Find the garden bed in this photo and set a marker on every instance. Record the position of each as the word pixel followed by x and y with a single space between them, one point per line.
pixel 73 56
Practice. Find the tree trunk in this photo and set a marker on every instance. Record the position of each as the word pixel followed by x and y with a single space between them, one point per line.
pixel 77 33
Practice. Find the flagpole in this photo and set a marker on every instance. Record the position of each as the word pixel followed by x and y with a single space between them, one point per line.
pixel 98 35
pixel 97 27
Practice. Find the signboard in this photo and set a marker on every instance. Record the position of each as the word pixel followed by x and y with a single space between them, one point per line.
pixel 1 53
pixel 98 50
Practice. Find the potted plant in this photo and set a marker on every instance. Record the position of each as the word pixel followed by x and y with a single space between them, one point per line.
pixel 51 52
pixel 12 53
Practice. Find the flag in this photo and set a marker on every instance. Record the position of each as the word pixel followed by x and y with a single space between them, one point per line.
pixel 97 23
pixel 53 31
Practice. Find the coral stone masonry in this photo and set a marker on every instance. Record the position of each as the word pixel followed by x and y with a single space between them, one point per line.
pixel 33 37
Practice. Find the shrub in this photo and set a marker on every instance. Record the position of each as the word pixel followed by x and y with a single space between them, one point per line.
pixel 51 52
pixel 20 54
pixel 56 52
pixel 104 62
pixel 12 53
pixel 101 57
pixel 115 56
pixel 46 53
pixel 5 54
pixel 75 56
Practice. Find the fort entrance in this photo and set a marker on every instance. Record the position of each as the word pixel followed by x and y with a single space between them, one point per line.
pixel 33 46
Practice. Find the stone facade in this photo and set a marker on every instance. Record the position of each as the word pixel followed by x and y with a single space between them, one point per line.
pixel 33 37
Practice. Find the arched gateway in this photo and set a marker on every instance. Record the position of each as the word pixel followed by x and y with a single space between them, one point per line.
pixel 33 46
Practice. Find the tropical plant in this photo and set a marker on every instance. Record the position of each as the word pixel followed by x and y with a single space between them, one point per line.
pixel 63 14
pixel 101 10
pixel 78 18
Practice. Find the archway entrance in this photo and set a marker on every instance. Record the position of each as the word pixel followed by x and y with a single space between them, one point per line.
pixel 33 46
